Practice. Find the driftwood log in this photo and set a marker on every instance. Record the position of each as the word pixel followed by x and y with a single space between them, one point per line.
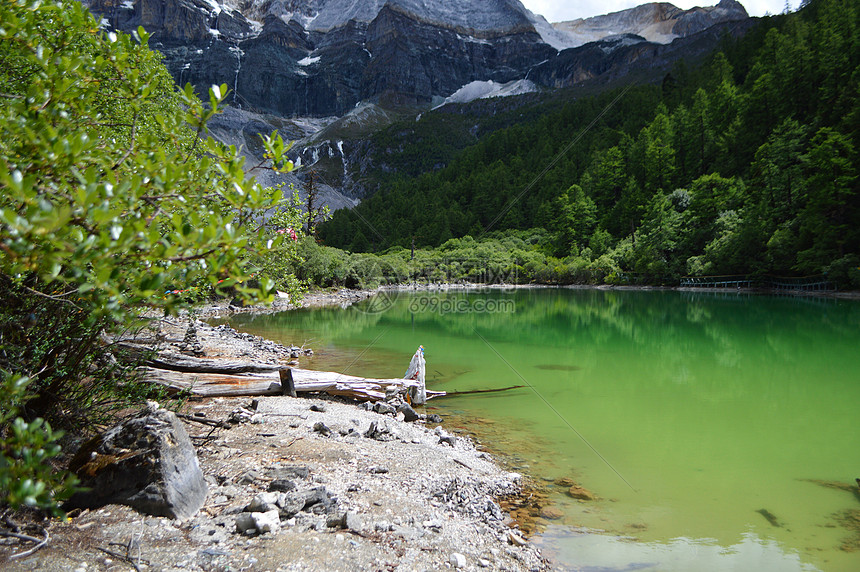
pixel 233 378
pixel 175 361
pixel 206 384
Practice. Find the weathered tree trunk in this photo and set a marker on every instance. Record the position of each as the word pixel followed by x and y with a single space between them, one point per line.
pixel 416 372
pixel 269 383
pixel 180 362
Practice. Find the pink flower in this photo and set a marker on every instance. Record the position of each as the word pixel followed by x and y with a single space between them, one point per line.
pixel 289 231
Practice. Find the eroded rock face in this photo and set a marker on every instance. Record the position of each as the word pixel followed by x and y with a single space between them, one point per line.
pixel 147 462
pixel 315 61
pixel 323 57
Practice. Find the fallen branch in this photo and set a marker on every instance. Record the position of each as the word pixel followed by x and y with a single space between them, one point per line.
pixel 121 557
pixel 40 542
pixel 173 361
pixel 204 421
pixel 474 391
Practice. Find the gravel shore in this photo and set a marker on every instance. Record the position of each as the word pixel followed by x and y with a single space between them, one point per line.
pixel 383 493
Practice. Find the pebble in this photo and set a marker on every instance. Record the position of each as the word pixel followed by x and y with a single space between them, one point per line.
pixel 458 560
pixel 282 485
pixel 263 502
pixel 322 428
pixel 383 408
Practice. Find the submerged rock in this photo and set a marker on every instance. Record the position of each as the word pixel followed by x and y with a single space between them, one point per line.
pixel 581 493
pixel 551 513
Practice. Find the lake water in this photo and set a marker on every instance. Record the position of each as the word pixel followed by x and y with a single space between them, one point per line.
pixel 706 423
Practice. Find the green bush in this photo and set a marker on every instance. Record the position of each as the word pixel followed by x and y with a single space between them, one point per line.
pixel 26 450
pixel 112 199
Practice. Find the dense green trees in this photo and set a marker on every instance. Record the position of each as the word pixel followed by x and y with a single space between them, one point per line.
pixel 745 165
pixel 111 199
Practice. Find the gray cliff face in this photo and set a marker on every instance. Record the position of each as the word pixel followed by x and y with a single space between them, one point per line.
pixel 343 68
pixel 323 57
pixel 417 61
pixel 626 56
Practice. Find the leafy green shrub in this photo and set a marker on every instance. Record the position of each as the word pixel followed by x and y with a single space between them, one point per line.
pixel 26 450
pixel 111 199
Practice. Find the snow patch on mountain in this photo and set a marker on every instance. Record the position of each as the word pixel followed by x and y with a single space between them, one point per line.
pixel 487 89
pixel 558 38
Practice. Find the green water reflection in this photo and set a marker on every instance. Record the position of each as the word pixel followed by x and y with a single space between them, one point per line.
pixel 687 413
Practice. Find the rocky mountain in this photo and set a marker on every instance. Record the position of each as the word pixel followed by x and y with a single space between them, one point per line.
pixel 658 22
pixel 322 57
pixel 348 65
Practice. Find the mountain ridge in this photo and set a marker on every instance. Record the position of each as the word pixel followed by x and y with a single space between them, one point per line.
pixel 372 62
pixel 659 22
pixel 324 57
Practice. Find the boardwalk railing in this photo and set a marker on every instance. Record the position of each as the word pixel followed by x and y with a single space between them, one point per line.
pixel 716 282
pixel 817 283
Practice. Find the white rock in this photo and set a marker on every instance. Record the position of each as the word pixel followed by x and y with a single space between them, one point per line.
pixel 244 522
pixel 259 521
pixel 263 502
pixel 458 560
pixel 267 521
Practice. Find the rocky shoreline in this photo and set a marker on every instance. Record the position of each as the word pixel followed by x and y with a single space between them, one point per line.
pixel 345 487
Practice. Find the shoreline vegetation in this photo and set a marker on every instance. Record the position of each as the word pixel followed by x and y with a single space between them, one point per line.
pixel 742 163
pixel 514 258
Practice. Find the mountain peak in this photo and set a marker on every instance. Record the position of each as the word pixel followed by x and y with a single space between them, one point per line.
pixel 659 22
pixel 481 16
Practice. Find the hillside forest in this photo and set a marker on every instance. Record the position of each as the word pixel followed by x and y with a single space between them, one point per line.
pixel 744 165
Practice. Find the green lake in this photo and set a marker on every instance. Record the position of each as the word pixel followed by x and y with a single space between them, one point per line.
pixel 708 424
